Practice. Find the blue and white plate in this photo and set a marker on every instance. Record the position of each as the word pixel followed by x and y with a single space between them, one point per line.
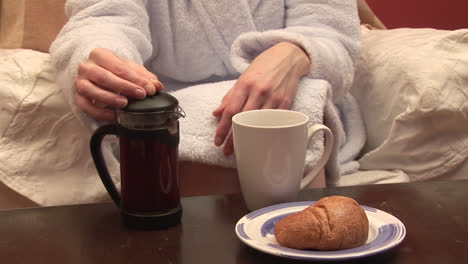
pixel 256 229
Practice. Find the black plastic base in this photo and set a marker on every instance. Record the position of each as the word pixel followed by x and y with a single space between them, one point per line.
pixel 153 221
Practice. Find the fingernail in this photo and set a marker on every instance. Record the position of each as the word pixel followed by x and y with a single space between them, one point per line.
pixel 218 141
pixel 216 112
pixel 159 85
pixel 227 151
pixel 121 102
pixel 141 93
pixel 150 89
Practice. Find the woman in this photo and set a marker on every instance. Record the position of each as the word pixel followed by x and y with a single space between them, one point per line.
pixel 112 50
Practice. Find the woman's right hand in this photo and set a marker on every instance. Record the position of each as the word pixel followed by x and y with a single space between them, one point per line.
pixel 106 80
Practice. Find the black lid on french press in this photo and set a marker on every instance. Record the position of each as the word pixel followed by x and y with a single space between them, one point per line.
pixel 158 111
pixel 154 103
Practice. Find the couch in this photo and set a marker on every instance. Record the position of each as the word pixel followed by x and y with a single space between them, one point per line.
pixel 411 85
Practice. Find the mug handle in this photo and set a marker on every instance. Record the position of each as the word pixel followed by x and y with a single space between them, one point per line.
pixel 325 155
pixel 99 162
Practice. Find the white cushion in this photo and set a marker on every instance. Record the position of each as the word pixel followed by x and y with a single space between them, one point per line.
pixel 44 150
pixel 412 88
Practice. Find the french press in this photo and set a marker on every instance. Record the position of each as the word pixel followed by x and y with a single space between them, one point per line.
pixel 148 132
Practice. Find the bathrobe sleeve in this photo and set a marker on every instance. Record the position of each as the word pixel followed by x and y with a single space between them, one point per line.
pixel 118 25
pixel 328 30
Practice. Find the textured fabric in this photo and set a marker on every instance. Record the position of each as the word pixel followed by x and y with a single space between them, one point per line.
pixel 412 87
pixel 42 165
pixel 44 150
pixel 190 42
pixel 187 44
pixel 20 18
pixel 44 147
pixel 197 129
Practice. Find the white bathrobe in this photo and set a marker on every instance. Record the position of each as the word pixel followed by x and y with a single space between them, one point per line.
pixel 196 47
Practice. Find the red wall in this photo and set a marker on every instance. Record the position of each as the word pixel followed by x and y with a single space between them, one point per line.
pixel 441 14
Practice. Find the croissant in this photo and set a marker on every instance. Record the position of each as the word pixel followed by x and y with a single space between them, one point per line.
pixel 332 223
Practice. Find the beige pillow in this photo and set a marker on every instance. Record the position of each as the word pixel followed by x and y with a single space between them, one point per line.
pixel 412 88
pixel 30 24
pixel 44 150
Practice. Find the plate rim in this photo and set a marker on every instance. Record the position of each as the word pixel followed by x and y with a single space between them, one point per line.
pixel 277 252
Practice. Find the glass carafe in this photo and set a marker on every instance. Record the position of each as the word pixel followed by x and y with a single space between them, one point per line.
pixel 148 132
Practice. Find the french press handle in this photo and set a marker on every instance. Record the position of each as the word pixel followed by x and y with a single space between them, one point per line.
pixel 99 162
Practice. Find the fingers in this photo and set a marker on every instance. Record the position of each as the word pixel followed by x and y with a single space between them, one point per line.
pixel 105 79
pixel 139 69
pixel 88 89
pixel 253 102
pixel 240 98
pixel 276 102
pixel 244 99
pixel 92 110
pixel 229 146
pixel 235 105
pixel 219 111
pixel 270 81
pixel 109 61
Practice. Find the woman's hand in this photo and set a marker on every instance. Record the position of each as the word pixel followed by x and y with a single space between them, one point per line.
pixel 270 81
pixel 107 80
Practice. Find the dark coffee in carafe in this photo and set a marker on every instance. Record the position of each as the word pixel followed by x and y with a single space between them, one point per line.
pixel 148 171
pixel 148 132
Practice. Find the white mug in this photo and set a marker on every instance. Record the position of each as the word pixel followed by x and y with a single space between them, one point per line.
pixel 270 148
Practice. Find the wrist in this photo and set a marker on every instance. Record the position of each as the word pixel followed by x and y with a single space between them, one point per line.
pixel 299 56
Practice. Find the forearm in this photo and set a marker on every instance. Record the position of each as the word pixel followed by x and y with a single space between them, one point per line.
pixel 117 25
pixel 297 56
pixel 332 32
pixel 328 31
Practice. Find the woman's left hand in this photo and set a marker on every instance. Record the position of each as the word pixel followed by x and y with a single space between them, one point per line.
pixel 270 81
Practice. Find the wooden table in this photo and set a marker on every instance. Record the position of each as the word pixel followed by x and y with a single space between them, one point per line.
pixel 435 215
